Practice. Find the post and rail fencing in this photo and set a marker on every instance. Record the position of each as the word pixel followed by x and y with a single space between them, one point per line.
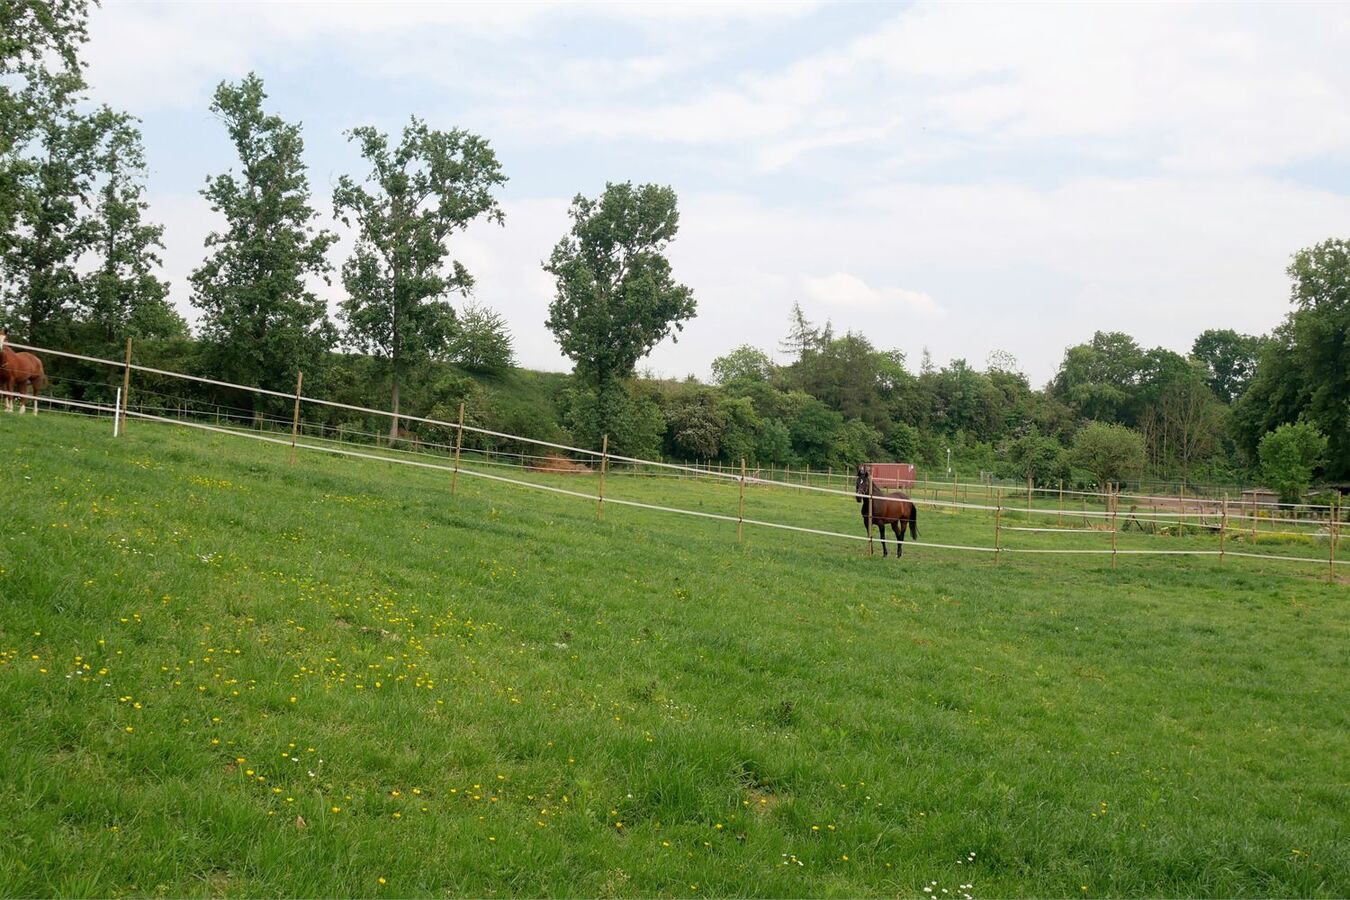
pixel 296 440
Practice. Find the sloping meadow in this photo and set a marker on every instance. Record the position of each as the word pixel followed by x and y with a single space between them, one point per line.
pixel 223 674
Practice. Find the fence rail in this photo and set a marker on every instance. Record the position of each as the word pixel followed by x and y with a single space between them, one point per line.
pixel 419 457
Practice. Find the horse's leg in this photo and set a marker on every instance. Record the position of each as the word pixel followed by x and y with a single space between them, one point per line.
pixel 881 534
pixel 23 398
pixel 899 538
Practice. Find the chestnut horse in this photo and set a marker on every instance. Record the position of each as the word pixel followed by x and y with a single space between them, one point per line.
pixel 881 509
pixel 20 373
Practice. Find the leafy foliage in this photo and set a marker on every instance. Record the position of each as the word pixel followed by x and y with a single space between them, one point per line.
pixel 124 296
pixel 743 366
pixel 48 191
pixel 482 341
pixel 696 424
pixel 1229 359
pixel 1321 293
pixel 1107 450
pixel 1304 368
pixel 1096 378
pixel 616 297
pixel 1289 454
pixel 40 71
pixel 1038 458
pixel 433 184
pixel 258 314
pixel 633 420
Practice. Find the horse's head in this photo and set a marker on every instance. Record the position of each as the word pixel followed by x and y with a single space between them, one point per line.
pixel 861 487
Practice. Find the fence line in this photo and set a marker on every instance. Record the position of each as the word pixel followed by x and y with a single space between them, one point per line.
pixel 679 511
pixel 1029 512
pixel 592 453
pixel 637 461
pixel 251 435
pixel 1051 492
pixel 595 453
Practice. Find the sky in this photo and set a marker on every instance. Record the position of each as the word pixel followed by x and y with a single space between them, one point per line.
pixel 965 178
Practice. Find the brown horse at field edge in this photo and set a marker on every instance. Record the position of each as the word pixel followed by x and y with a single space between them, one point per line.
pixel 20 373
pixel 882 509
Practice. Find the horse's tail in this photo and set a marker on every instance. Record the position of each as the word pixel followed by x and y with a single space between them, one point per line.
pixel 914 521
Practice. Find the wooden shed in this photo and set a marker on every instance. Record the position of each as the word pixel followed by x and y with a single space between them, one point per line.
pixel 893 475
pixel 1260 497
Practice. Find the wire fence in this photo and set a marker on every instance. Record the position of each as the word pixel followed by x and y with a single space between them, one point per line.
pixel 1308 523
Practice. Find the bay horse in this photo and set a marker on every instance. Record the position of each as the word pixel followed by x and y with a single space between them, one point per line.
pixel 882 509
pixel 20 373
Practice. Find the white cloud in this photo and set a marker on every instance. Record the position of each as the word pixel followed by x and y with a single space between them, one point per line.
pixel 841 289
pixel 1045 170
pixel 1181 85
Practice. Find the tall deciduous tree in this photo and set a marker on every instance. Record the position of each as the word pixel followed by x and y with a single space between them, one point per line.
pixel 1110 452
pixel 1229 359
pixel 1098 379
pixel 258 313
pixel 616 297
pixel 744 365
pixel 1304 368
pixel 124 296
pixel 417 194
pixel 50 229
pixel 1321 293
pixel 39 61
pixel 1035 458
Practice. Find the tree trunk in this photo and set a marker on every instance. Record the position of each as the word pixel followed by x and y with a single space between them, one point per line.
pixel 393 423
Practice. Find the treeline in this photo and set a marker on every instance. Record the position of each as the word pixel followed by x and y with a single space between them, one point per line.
pixel 79 269
pixel 80 261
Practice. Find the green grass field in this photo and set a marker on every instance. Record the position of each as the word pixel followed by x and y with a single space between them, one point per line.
pixel 224 675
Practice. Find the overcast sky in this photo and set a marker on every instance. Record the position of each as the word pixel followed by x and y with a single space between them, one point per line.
pixel 960 177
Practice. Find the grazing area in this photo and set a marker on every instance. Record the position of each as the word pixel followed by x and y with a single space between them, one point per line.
pixel 221 674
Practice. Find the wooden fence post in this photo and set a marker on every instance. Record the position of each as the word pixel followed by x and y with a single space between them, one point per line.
pixel 295 419
pixel 1331 540
pixel 604 464
pixel 1115 504
pixel 459 440
pixel 998 525
pixel 740 508
pixel 1223 526
pixel 126 388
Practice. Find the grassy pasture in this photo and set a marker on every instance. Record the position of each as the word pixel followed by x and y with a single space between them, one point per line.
pixel 220 674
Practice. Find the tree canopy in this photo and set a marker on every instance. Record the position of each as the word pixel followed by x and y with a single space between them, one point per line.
pixel 418 193
pixel 616 296
pixel 259 315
